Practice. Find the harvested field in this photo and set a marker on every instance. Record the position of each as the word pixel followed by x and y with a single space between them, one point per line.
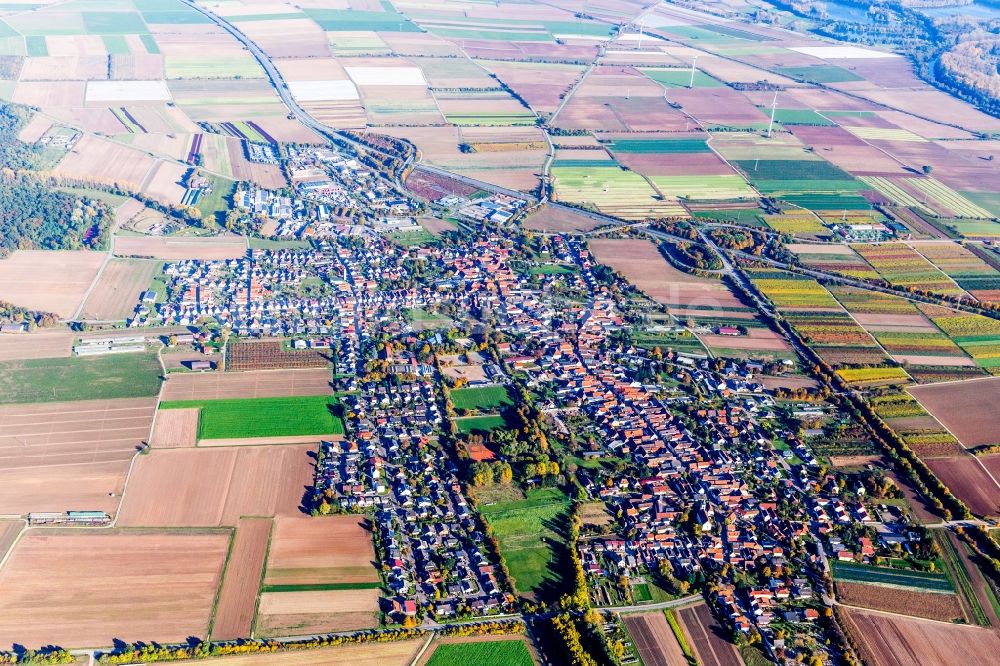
pixel 316 611
pixel 100 160
pixel 48 280
pixel 66 433
pixel 173 249
pixel 708 639
pixel 9 529
pixel 560 220
pixel 967 409
pixel 69 455
pixel 218 485
pixel 238 598
pixel 967 479
pixel 395 653
pixel 930 605
pixel 175 429
pixel 117 291
pixel 654 639
pixel 83 589
pixel 38 344
pixel 331 550
pixel 900 641
pixel 642 264
pixel 259 384
pixel 91 486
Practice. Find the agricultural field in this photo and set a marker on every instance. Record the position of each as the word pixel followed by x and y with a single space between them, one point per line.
pixel 49 281
pixel 892 640
pixel 832 258
pixel 967 269
pixel 319 576
pixel 611 190
pixel 132 375
pixel 259 384
pixel 654 639
pixel 256 418
pixel 977 335
pixel 904 601
pixel 116 292
pixel 507 652
pixel 86 588
pixel 706 635
pixel 393 653
pixel 530 534
pixel 238 595
pixel 967 409
pixel 917 580
pixel 219 485
pixel 902 266
pixel 78 453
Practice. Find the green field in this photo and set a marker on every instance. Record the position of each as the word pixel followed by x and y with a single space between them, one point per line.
pixel 481 397
pixel 79 378
pixel 861 573
pixel 792 170
pixel 704 188
pixel 530 540
pixel 470 424
pixel 242 418
pixel 320 587
pixel 37 46
pixel 659 146
pixel 509 652
pixel 677 77
pixel 799 117
pixel 819 73
pixel 216 203
pixel 350 20
pixel 116 44
pixel 553 269
pixel 113 23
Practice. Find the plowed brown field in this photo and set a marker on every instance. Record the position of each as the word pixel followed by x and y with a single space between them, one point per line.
pixel 216 486
pixel 655 640
pixel 84 589
pixel 238 599
pixel 261 384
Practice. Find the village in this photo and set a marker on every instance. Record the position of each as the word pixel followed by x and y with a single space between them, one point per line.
pixel 704 499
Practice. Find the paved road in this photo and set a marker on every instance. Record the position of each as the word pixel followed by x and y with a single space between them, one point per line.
pixel 662 605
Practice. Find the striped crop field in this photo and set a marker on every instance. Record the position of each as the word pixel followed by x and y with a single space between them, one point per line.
pixel 902 266
pixel 892 191
pixel 864 377
pixel 949 198
pixel 885 134
pixel 613 191
pixel 703 188
pixel 920 580
pixel 795 223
